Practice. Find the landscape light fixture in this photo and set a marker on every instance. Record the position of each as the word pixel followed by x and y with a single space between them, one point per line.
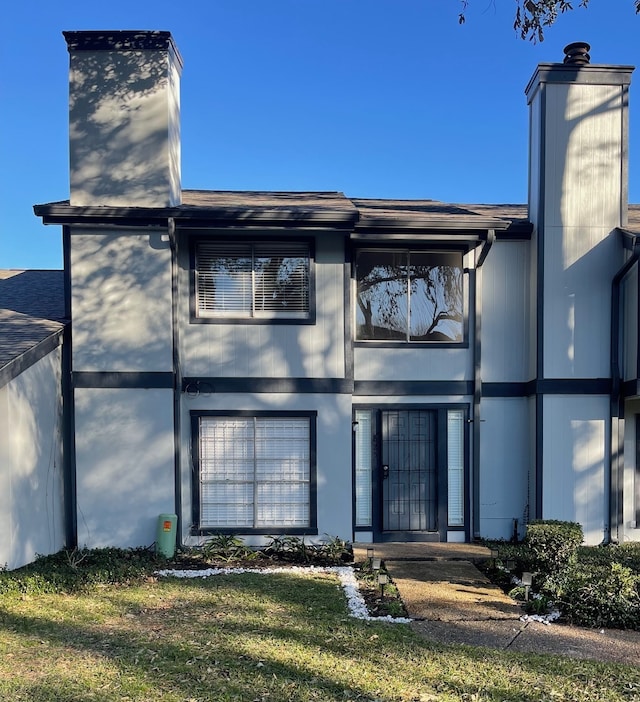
pixel 376 563
pixel 527 581
pixel 369 554
pixel 383 579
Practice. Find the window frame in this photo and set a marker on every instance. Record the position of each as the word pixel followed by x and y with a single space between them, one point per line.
pixel 311 416
pixel 396 343
pixel 279 318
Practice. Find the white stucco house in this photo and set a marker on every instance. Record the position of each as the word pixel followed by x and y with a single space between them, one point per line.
pixel 32 329
pixel 308 363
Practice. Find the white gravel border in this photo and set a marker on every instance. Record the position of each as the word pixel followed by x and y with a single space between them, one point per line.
pixel 348 581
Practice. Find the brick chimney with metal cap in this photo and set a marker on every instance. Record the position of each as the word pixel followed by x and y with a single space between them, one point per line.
pixel 124 119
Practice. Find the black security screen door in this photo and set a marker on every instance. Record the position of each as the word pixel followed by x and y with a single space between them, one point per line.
pixel 409 471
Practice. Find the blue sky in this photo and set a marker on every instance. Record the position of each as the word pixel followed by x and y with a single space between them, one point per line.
pixel 376 98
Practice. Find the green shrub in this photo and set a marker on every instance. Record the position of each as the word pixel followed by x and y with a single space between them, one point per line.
pixel 600 595
pixel 77 569
pixel 553 544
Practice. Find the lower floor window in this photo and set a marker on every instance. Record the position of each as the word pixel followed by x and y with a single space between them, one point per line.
pixel 255 472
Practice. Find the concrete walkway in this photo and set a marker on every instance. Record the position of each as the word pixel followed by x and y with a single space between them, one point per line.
pixel 452 602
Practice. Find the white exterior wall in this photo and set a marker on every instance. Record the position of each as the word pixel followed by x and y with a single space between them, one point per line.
pixel 124 465
pixel 505 313
pixel 31 478
pixel 121 301
pixel 333 464
pixel 575 486
pixel 412 363
pixel 630 524
pixel 293 350
pixel 505 458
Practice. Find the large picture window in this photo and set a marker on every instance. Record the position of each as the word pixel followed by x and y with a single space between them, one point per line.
pixel 406 295
pixel 250 280
pixel 255 472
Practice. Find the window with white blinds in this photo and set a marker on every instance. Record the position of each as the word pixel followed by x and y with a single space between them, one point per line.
pixel 252 279
pixel 364 462
pixel 455 461
pixel 255 472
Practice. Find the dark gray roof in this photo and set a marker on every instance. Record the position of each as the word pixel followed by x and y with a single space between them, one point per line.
pixel 432 214
pixel 315 209
pixel 31 318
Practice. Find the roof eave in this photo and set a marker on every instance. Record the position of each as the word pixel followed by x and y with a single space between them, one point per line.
pixel 63 213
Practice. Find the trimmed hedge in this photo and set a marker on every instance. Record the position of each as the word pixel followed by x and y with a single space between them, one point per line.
pixel 553 544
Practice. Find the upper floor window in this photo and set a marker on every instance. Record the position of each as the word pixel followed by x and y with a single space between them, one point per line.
pixel 253 280
pixel 407 295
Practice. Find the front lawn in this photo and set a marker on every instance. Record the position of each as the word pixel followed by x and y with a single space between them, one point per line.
pixel 254 637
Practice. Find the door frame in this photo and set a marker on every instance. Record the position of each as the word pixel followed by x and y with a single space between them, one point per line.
pixel 440 534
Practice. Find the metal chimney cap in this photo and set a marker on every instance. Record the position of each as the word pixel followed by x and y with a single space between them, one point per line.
pixel 577 53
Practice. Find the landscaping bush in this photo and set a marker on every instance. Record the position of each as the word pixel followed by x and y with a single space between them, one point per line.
pixel 554 545
pixel 601 595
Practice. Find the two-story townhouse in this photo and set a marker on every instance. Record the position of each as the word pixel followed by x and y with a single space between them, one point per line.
pixel 264 363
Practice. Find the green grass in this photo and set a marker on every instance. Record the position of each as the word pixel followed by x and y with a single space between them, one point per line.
pixel 256 637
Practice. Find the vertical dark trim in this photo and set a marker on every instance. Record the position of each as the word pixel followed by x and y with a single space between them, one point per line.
pixel 540 282
pixel 313 470
pixel 636 508
pixel 195 469
pixel 353 473
pixel 616 425
pixel 475 278
pixel 637 375
pixel 537 474
pixel 376 475
pixel 468 492
pixel 177 376
pixel 348 313
pixel 442 482
pixel 68 408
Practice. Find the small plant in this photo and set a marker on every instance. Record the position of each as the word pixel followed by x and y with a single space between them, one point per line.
pixel 336 550
pixel 227 547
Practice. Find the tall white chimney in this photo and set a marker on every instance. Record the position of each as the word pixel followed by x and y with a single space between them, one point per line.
pixel 578 192
pixel 124 119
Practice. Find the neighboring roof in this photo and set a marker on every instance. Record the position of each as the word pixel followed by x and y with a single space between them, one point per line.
pixel 31 318
pixel 634 219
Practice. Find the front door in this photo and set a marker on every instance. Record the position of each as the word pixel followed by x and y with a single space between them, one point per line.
pixel 409 474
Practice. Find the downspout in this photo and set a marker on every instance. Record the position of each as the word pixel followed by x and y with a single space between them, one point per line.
pixel 177 378
pixel 616 451
pixel 477 380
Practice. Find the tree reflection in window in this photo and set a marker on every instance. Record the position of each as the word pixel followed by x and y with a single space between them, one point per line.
pixel 407 295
